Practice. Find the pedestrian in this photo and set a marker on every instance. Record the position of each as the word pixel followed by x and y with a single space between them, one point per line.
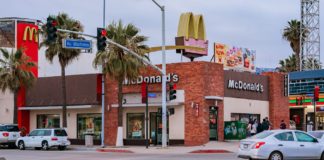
pixel 254 127
pixel 283 125
pixel 268 123
pixel 265 125
pixel 23 131
pixel 248 128
pixel 259 128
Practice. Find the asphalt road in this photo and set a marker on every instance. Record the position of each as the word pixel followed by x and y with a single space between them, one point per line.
pixel 94 155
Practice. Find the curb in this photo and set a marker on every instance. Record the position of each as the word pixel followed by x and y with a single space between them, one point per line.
pixel 114 150
pixel 210 151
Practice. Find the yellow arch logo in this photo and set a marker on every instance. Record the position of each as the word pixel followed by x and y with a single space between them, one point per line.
pixel 191 26
pixel 31 33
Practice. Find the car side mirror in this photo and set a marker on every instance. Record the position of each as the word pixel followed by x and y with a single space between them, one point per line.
pixel 315 141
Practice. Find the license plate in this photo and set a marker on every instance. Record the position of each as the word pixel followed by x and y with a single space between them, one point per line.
pixel 14 135
pixel 245 146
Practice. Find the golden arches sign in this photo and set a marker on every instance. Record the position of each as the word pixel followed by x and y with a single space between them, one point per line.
pixel 31 33
pixel 191 26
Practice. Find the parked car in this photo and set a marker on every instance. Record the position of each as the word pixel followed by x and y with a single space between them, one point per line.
pixel 281 144
pixel 44 139
pixel 9 133
pixel 292 125
pixel 318 134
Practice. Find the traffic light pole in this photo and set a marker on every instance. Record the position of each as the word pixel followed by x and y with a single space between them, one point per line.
pixel 103 87
pixel 164 108
pixel 314 114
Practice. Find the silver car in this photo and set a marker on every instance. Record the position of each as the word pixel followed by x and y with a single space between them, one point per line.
pixel 280 145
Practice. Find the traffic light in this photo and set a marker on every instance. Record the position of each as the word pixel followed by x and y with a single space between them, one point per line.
pixel 101 39
pixel 51 30
pixel 316 93
pixel 172 91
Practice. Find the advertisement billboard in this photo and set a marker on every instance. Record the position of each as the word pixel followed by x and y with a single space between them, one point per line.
pixel 7 34
pixel 235 58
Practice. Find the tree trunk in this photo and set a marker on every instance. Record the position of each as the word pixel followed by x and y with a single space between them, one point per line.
pixel 119 139
pixel 15 114
pixel 120 103
pixel 63 96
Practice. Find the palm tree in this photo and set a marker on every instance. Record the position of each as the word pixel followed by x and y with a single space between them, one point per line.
pixel 15 73
pixel 292 34
pixel 288 64
pixel 120 65
pixel 65 56
pixel 309 63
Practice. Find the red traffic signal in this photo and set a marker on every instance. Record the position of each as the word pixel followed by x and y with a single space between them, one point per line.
pixel 316 93
pixel 103 32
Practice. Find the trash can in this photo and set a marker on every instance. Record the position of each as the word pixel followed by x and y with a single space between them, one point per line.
pixel 88 139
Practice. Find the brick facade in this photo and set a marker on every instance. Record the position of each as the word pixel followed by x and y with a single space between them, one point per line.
pixel 197 79
pixel 278 103
pixel 193 78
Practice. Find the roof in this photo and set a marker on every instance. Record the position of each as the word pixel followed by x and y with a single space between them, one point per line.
pixel 306 74
pixel 80 90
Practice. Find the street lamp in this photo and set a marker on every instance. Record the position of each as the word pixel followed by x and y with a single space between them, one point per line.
pixel 103 88
pixel 164 117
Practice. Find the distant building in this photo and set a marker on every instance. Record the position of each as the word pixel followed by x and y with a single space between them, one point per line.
pixel 301 89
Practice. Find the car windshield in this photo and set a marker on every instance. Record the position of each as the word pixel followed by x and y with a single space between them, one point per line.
pixel 262 135
pixel 317 134
pixel 9 128
pixel 61 133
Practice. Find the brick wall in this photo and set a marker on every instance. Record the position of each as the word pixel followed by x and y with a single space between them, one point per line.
pixel 197 79
pixel 278 103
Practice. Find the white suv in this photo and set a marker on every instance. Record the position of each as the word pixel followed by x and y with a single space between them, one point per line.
pixel 44 139
pixel 9 133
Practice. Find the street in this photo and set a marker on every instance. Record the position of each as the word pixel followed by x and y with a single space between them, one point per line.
pixel 93 155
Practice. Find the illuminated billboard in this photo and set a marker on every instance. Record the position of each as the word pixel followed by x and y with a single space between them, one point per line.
pixel 235 58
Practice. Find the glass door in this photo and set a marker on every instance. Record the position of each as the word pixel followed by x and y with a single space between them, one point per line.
pixel 156 128
pixel 213 123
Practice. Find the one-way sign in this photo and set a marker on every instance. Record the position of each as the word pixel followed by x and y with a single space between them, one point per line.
pixel 77 44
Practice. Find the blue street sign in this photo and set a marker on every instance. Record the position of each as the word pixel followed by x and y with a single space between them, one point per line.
pixel 151 95
pixel 77 44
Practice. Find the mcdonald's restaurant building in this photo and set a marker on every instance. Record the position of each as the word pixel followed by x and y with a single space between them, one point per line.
pixel 207 96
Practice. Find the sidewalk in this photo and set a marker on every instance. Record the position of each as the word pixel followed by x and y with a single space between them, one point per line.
pixel 211 147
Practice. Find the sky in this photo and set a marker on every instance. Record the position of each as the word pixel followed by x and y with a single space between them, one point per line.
pixel 253 24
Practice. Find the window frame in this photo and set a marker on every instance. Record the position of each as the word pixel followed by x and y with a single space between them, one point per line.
pixel 77 124
pixel 127 125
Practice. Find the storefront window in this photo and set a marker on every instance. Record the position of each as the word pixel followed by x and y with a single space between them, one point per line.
pixel 89 124
pixel 135 125
pixel 48 121
pixel 243 117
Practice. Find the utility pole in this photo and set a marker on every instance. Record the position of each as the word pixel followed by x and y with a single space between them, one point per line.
pixel 164 109
pixel 103 87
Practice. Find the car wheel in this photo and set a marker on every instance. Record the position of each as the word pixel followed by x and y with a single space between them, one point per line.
pixel 45 145
pixel 38 148
pixel 61 148
pixel 276 156
pixel 21 145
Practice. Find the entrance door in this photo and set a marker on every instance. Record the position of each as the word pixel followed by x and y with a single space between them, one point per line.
pixel 213 123
pixel 156 128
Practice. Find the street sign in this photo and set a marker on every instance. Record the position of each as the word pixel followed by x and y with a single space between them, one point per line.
pixel 77 44
pixel 151 95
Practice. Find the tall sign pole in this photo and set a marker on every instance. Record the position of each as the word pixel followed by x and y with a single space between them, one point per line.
pixel 164 114
pixel 103 88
